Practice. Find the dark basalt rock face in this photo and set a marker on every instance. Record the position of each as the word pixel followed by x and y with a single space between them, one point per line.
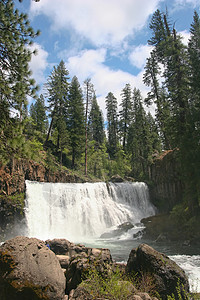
pixel 29 270
pixel 166 273
pixel 13 176
pixel 165 174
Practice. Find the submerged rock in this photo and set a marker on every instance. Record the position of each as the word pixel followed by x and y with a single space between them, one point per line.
pixel 165 273
pixel 122 228
pixel 29 270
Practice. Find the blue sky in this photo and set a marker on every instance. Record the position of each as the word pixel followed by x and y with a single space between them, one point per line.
pixel 105 40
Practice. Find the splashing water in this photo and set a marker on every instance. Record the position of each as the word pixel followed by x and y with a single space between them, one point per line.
pixel 81 211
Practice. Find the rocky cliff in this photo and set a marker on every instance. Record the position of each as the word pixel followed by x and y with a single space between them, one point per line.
pixel 13 176
pixel 166 188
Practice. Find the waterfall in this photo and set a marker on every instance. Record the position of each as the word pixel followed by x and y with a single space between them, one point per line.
pixel 78 211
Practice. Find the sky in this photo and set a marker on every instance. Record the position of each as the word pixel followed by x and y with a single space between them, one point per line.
pixel 105 40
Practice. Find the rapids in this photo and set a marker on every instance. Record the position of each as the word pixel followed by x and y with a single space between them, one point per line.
pixel 82 212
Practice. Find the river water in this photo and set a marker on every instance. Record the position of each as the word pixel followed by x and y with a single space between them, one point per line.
pixel 83 212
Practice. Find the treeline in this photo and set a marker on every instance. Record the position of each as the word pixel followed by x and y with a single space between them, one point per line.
pixel 65 126
pixel 76 133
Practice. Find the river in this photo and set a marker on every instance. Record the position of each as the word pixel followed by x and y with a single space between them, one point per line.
pixel 84 212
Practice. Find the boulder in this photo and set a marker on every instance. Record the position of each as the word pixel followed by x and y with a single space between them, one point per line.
pixel 60 246
pixel 80 265
pixel 116 178
pixel 77 259
pixel 30 270
pixel 167 275
pixel 80 293
pixel 122 228
pixel 64 261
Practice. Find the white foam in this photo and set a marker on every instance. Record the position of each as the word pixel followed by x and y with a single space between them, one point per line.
pixel 191 265
pixel 81 211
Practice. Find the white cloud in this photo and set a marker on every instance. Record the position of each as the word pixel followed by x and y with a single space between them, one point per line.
pixel 139 54
pixel 100 21
pixel 38 63
pixel 90 63
pixel 194 3
pixel 185 36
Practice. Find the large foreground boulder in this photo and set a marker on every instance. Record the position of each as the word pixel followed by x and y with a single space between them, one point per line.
pixel 29 270
pixel 167 275
pixel 77 260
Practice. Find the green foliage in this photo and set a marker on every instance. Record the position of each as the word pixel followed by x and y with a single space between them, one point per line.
pixel 120 165
pixel 112 126
pixel 50 160
pixel 144 282
pixel 34 150
pixel 96 124
pixel 185 221
pixel 76 120
pixel 177 97
pixel 126 114
pixel 181 294
pixel 15 35
pixel 97 158
pixel 38 115
pixel 57 92
pixel 109 286
pixel 17 201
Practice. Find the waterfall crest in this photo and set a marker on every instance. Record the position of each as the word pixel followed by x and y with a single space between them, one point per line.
pixel 77 211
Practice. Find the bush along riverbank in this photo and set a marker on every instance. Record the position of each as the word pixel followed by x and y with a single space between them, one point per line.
pixel 57 269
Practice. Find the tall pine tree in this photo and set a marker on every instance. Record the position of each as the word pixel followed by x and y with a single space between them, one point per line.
pixel 38 114
pixel 112 125
pixel 125 113
pixel 96 124
pixel 57 92
pixel 76 120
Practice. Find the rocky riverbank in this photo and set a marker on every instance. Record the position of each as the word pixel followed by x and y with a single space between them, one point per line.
pixel 57 269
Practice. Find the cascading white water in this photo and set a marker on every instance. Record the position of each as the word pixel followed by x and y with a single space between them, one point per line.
pixel 79 211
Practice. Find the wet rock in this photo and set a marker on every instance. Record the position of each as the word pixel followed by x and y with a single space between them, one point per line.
pixel 138 235
pixel 122 228
pixel 116 178
pixel 29 270
pixel 165 272
pixel 161 238
pixel 59 246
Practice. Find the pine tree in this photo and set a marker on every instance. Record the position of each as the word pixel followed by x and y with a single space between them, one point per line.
pixel 192 146
pixel 112 125
pixel 57 92
pixel 171 53
pixel 15 81
pixel 15 35
pixel 38 114
pixel 194 61
pixel 96 124
pixel 89 90
pixel 125 113
pixel 158 96
pixel 138 144
pixel 76 120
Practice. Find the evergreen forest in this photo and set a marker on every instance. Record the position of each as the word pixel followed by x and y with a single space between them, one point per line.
pixel 64 128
